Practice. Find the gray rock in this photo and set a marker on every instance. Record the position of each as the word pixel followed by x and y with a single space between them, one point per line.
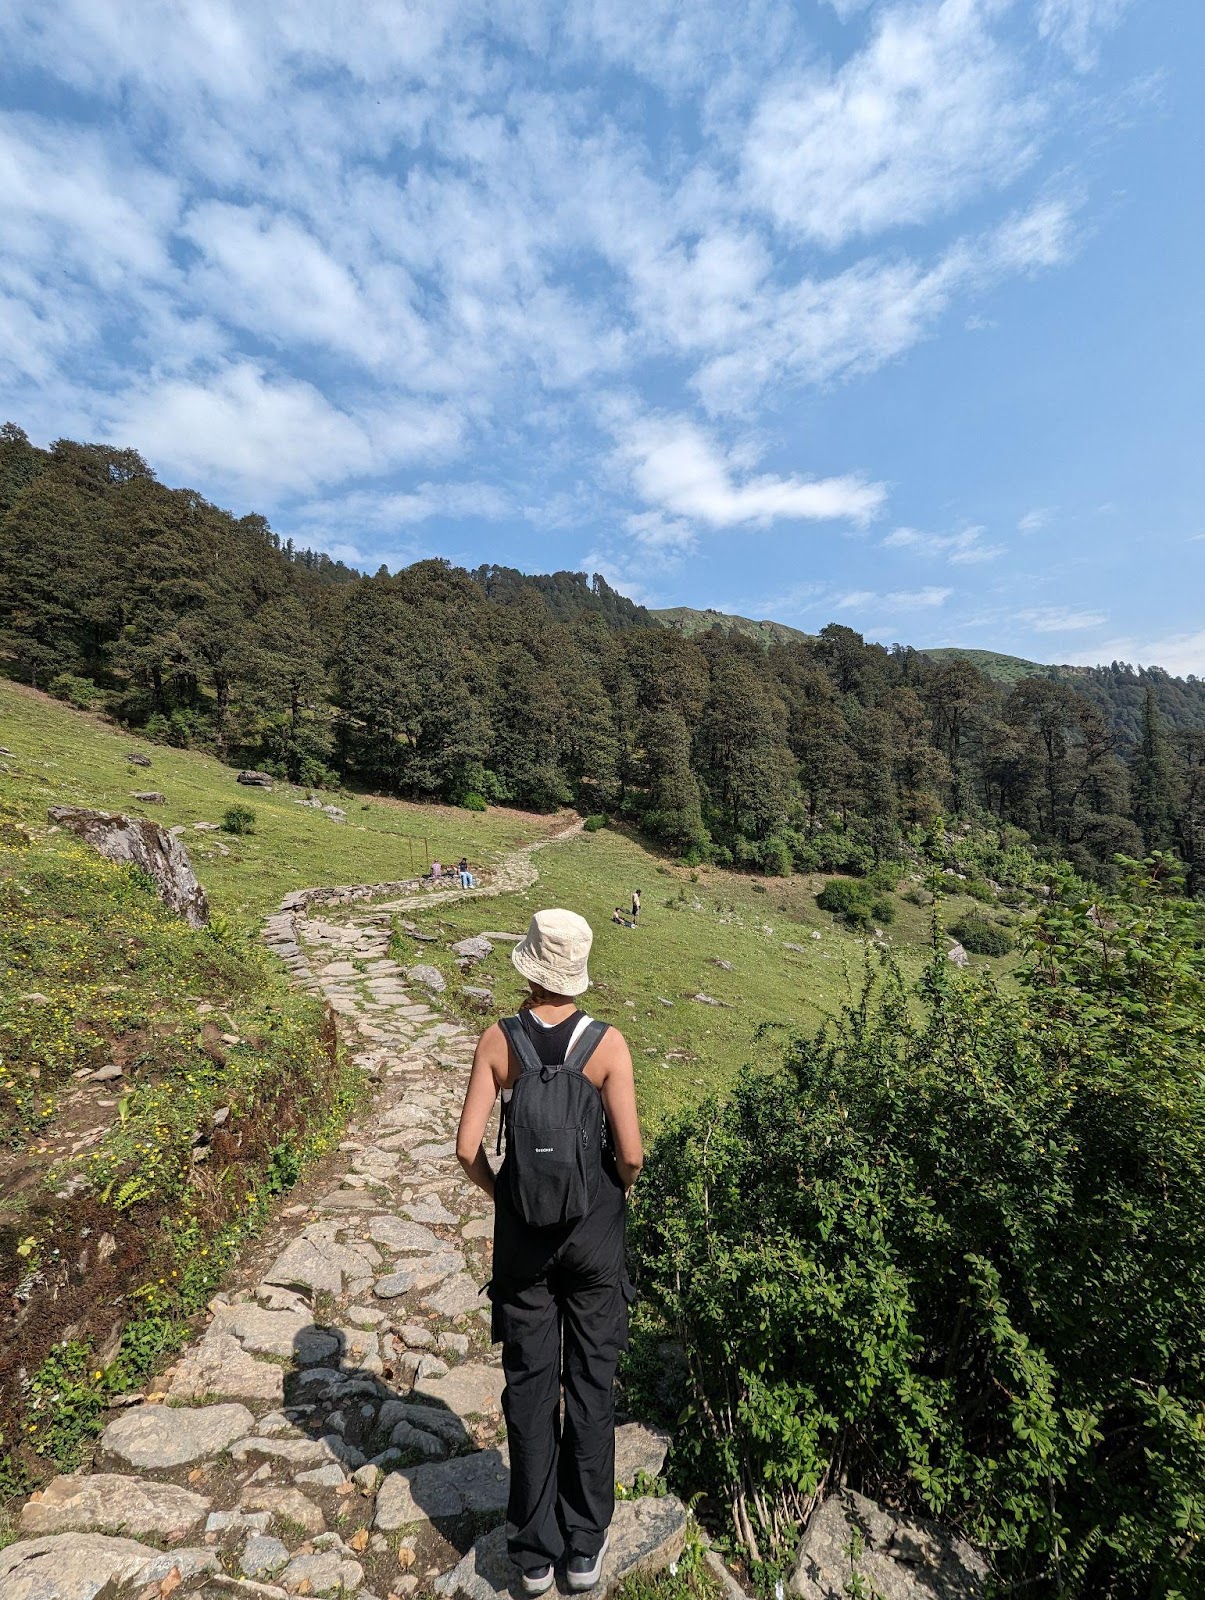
pixel 317 1265
pixel 430 977
pixel 289 1504
pixel 455 1297
pixel 705 999
pixel 255 780
pixel 957 955
pixel 326 1573
pixel 724 966
pixel 156 1437
pixel 149 797
pixel 328 1477
pixel 412 1441
pixel 141 843
pixel 479 1483
pixel 441 1424
pixel 800 949
pixel 136 759
pixel 646 1535
pixel 109 1502
pixel 106 1074
pixel 277 1333
pixel 409 1238
pixel 219 1365
pixel 476 949
pixel 474 1389
pixel 336 813
pixel 422 1275
pixel 263 1556
pixel 639 1449
pixel 237 1522
pixel 77 1566
pixel 901 1559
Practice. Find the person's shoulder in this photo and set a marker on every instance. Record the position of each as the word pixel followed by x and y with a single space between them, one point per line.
pixel 612 1042
pixel 493 1038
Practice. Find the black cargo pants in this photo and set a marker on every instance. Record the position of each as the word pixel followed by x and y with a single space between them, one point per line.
pixel 560 1308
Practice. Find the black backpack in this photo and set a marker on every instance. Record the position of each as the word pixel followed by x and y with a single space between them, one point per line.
pixel 555 1130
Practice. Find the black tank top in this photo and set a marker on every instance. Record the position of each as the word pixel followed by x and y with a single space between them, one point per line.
pixel 551 1044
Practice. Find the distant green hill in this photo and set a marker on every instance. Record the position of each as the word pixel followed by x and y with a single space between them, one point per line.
pixel 1004 669
pixel 689 621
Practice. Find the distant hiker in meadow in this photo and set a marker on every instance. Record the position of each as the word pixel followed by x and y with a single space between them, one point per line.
pixel 560 1288
pixel 436 871
pixel 635 905
pixel 621 919
pixel 466 877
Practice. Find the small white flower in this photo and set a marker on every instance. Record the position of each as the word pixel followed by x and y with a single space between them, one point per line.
pixel 778 1590
pixel 673 1569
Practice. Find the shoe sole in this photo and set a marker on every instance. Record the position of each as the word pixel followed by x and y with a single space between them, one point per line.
pixel 539 1586
pixel 579 1583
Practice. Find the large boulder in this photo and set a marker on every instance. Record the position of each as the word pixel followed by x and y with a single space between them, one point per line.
pixel 897 1558
pixel 78 1566
pixel 108 1502
pixel 144 844
pixel 255 780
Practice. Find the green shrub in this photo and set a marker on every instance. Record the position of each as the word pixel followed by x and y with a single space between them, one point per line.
pixel 79 692
pixel 593 824
pixel 954 1250
pixel 472 801
pixel 856 901
pixel 775 858
pixel 885 876
pixel 981 936
pixel 239 819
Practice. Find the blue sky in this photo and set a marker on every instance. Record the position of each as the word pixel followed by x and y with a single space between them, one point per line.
pixel 886 312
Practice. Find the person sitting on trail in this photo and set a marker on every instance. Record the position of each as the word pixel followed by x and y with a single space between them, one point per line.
pixel 436 871
pixel 466 877
pixel 560 1290
pixel 635 905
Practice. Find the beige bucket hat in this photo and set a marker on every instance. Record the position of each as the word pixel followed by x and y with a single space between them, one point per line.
pixel 554 950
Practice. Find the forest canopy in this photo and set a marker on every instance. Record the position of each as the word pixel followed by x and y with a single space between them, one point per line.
pixel 205 629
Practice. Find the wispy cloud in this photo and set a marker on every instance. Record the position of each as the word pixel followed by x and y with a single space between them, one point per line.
pixel 965 548
pixel 897 600
pixel 1077 26
pixel 1034 521
pixel 1059 619
pixel 1181 654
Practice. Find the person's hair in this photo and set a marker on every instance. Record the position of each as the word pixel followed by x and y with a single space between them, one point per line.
pixel 540 993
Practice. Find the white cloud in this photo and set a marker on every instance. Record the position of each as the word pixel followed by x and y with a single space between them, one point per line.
pixel 1180 654
pixel 965 548
pixel 932 111
pixel 1034 521
pixel 1059 619
pixel 898 600
pixel 676 467
pixel 374 511
pixel 1076 25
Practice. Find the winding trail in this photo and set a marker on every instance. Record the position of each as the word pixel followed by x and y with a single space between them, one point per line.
pixel 337 1429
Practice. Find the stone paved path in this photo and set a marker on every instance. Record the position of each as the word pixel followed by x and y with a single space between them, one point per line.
pixel 338 1428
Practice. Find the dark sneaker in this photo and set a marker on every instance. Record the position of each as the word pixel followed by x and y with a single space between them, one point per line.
pixel 538 1580
pixel 583 1572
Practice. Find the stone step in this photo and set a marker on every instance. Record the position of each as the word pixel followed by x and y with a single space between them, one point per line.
pixel 646 1535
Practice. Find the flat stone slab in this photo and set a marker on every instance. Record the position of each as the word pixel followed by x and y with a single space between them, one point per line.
pixel 155 1437
pixel 276 1333
pixel 326 1573
pixel 456 1296
pixel 409 1238
pixel 317 1265
pixel 475 948
pixel 110 1502
pixel 430 977
pixel 219 1365
pixel 289 1504
pixel 478 1483
pixel 901 1558
pixel 639 1449
pixel 474 1389
pixel 646 1535
pixel 77 1566
pixel 422 1275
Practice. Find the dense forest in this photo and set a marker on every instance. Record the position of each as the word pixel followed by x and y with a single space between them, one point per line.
pixel 206 629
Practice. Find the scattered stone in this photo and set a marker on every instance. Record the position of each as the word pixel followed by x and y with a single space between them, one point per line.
pixel 646 1534
pixel 77 1566
pixel 154 1437
pixel 901 1559
pixel 799 949
pixel 325 1573
pixel 316 1264
pixel 134 757
pixel 471 1390
pixel 425 1273
pixel 456 1344
pixel 725 966
pixel 328 1477
pixel 238 1521
pixel 336 813
pixel 430 977
pixel 144 844
pixel 662 1001
pixel 455 1297
pixel 149 797
pixel 105 1502
pixel 639 1449
pixel 263 1556
pixel 435 1420
pixel 476 949
pixel 207 827
pixel 416 1336
pixel 106 1074
pixel 478 1228
pixel 277 1333
pixel 405 1237
pixel 957 955
pixel 705 999
pixel 255 780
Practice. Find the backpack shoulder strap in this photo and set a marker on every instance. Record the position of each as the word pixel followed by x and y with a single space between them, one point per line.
pixel 516 1035
pixel 585 1045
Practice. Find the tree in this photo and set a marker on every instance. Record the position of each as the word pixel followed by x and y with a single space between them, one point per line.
pixel 673 808
pixel 1154 781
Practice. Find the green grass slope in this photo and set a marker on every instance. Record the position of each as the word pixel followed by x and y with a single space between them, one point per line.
pixel 689 621
pixel 1004 669
pixel 66 757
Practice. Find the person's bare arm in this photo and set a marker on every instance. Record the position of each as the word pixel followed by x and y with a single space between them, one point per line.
pixel 619 1097
pixel 478 1103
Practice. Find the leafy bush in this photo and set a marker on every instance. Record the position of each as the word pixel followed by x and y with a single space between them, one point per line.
pixel 981 936
pixel 593 824
pixel 774 857
pixel 472 801
pixel 79 692
pixel 886 876
pixel 856 902
pixel 239 819
pixel 954 1250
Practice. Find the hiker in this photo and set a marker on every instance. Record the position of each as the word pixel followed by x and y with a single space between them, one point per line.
pixel 466 877
pixel 621 919
pixel 436 872
pixel 560 1289
pixel 635 906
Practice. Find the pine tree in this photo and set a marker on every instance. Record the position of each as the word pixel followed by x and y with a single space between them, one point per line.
pixel 1157 792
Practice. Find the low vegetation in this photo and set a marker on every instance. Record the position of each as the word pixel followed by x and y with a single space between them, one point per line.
pixel 952 1252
